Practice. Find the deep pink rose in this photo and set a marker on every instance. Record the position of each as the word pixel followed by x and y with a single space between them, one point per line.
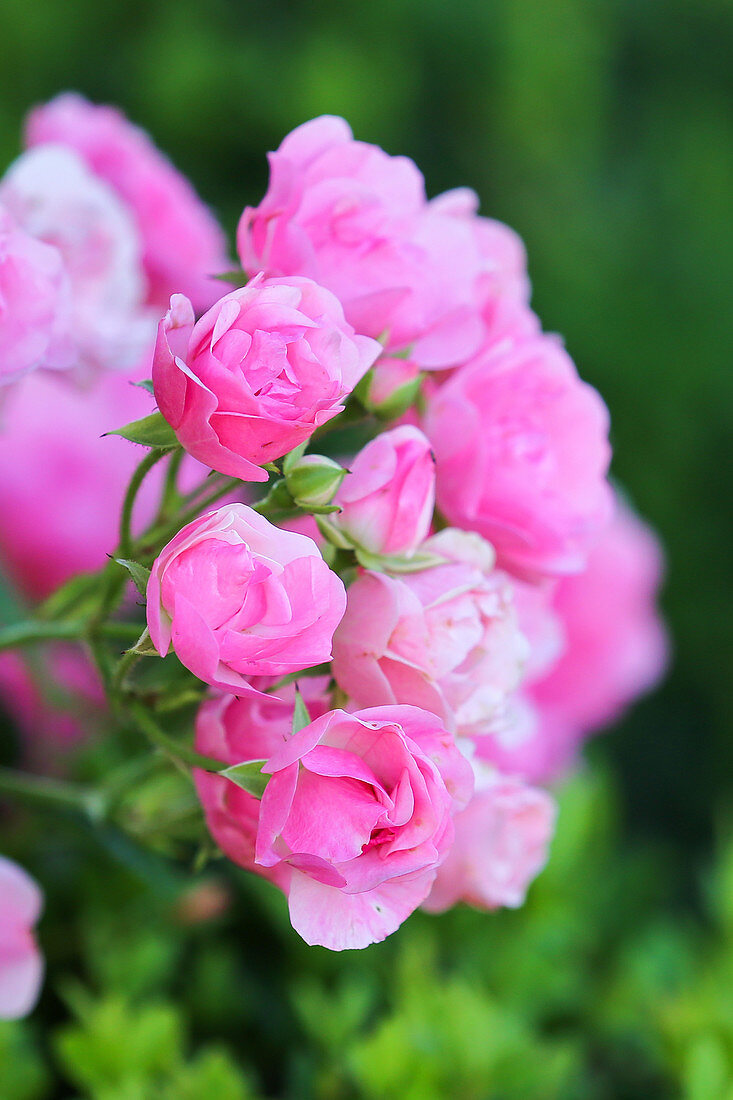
pixel 357 817
pixel 501 844
pixel 182 243
pixel 254 378
pixel 21 964
pixel 357 221
pixel 237 729
pixel 238 597
pixel 445 639
pixel 69 475
pixel 522 450
pixel 387 498
pixel 35 304
pixel 51 193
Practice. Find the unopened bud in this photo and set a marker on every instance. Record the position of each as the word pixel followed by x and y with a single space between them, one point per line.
pixel 312 481
pixel 390 388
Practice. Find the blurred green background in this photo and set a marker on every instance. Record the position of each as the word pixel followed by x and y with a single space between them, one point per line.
pixel 602 130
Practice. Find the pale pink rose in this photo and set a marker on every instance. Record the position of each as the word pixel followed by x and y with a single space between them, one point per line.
pixel 21 964
pixel 357 221
pixel 254 378
pixel 529 744
pixel 235 730
pixel 68 474
pixel 357 817
pixel 445 639
pixel 237 597
pixel 54 702
pixel 616 646
pixel 501 844
pixel 182 243
pixel 56 199
pixel 521 446
pixel 35 304
pixel 388 496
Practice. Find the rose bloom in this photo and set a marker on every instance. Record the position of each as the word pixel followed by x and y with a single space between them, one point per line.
pixel 68 474
pixel 182 243
pixel 387 498
pixel 357 817
pixel 358 222
pixel 501 844
pixel 236 729
pixel 254 378
pixel 52 195
pixel 445 639
pixel 21 964
pixel 35 304
pixel 611 647
pixel 521 446
pixel 238 597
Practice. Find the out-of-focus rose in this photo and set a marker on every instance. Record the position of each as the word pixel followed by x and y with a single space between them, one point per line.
pixel 501 844
pixel 357 221
pixel 52 195
pixel 445 639
pixel 254 378
pixel 388 497
pixel 35 304
pixel 357 817
pixel 21 964
pixel 238 597
pixel 182 243
pixel 68 474
pixel 237 729
pixel 521 446
pixel 391 388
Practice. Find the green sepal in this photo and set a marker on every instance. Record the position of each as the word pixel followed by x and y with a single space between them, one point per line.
pixel 139 573
pixel 144 647
pixel 238 278
pixel 145 384
pixel 248 775
pixel 301 717
pixel 152 431
pixel 380 563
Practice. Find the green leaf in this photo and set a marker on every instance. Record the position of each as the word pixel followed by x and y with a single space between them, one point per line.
pixel 151 431
pixel 248 775
pixel 145 384
pixel 301 717
pixel 139 573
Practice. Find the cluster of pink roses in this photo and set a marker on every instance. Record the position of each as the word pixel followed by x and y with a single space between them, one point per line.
pixel 461 603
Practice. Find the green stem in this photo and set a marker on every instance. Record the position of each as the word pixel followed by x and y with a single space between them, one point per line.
pixel 170 493
pixel 164 532
pixel 123 666
pixel 150 460
pixel 39 789
pixel 169 745
pixel 29 633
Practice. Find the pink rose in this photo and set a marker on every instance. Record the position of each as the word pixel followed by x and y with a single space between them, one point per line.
pixel 522 450
pixel 237 729
pixel 21 964
pixel 68 474
pixel 255 377
pixel 357 817
pixel 182 242
pixel 238 597
pixel 357 221
pixel 387 499
pixel 445 639
pixel 53 196
pixel 501 844
pixel 35 304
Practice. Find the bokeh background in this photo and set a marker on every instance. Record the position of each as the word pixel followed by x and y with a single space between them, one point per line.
pixel 602 132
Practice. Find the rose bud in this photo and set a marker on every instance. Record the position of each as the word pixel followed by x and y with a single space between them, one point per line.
pixel 387 499
pixel 312 480
pixel 501 844
pixel 258 373
pixel 521 446
pixel 445 638
pixel 238 597
pixel 21 965
pixel 390 387
pixel 357 817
